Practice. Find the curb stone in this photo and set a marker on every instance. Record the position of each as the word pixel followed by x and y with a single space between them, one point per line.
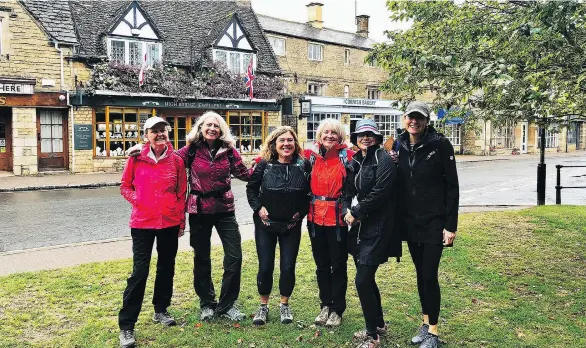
pixel 57 187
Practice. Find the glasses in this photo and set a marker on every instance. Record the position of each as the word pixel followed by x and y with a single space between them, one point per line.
pixel 366 134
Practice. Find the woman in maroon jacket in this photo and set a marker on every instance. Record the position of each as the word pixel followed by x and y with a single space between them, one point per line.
pixel 211 158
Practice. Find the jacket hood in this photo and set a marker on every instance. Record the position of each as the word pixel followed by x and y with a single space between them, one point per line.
pixel 146 148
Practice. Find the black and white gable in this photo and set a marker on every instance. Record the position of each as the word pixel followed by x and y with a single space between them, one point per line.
pixel 134 23
pixel 233 37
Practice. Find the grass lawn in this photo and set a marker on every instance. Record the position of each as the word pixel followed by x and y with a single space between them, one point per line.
pixel 514 279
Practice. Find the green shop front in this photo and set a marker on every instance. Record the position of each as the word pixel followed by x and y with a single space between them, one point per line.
pixel 107 123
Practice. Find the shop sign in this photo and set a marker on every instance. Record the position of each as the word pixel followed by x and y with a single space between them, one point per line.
pixel 305 107
pixel 16 88
pixel 360 102
pixel 2 142
pixel 84 137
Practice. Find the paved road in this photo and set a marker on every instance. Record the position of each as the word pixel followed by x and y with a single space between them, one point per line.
pixel 45 218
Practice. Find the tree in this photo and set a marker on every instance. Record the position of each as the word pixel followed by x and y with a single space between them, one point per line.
pixel 499 60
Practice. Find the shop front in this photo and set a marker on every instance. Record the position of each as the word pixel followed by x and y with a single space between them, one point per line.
pixel 116 121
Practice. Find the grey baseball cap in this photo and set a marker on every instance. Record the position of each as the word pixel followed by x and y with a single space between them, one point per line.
pixel 419 107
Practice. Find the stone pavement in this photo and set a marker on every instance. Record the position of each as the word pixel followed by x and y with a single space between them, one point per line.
pixel 47 181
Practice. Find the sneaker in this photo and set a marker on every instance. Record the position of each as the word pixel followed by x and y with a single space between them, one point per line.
pixel 127 339
pixel 369 342
pixel 423 330
pixel 207 314
pixel 430 341
pixel 234 314
pixel 334 320
pixel 261 316
pixel 164 318
pixel 322 318
pixel 286 315
pixel 361 335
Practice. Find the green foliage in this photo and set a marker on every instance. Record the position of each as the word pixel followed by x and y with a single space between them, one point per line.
pixel 503 59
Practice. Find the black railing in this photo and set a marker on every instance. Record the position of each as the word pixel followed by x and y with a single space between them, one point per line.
pixel 559 187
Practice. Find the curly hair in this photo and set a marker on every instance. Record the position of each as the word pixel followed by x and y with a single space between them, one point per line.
pixel 269 148
pixel 225 136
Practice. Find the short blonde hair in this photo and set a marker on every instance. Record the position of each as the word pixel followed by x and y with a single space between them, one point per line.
pixel 269 147
pixel 196 135
pixel 334 125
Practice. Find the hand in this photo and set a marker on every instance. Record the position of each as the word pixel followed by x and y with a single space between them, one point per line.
pixel 350 220
pixel 294 220
pixel 264 215
pixel 181 233
pixel 134 151
pixel 449 237
pixel 394 156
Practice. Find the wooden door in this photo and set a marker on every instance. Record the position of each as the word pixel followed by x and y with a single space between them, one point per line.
pixel 6 139
pixel 52 139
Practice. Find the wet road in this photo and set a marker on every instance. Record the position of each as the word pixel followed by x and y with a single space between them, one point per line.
pixel 46 218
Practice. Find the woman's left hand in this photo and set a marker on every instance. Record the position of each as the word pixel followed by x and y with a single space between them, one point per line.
pixel 449 237
pixel 181 233
pixel 349 218
pixel 295 219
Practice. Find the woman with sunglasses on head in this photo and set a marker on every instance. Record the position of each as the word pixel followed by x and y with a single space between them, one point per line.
pixel 372 239
pixel 429 209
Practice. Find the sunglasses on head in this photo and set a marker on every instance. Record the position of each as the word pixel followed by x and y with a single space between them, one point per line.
pixel 366 134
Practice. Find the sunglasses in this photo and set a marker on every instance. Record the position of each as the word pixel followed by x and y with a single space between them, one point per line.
pixel 366 134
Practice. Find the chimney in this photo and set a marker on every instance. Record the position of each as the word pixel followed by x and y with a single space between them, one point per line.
pixel 244 3
pixel 362 25
pixel 314 15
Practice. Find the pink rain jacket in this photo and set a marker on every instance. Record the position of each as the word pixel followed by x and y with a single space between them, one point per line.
pixel 156 190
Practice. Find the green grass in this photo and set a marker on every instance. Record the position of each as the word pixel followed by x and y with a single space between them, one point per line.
pixel 514 279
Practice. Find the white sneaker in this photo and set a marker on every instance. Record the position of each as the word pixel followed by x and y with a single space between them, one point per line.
pixel 286 315
pixel 322 318
pixel 334 320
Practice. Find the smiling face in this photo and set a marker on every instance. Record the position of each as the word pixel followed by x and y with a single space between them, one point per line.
pixel 329 137
pixel 285 145
pixel 157 135
pixel 210 129
pixel 415 123
pixel 365 140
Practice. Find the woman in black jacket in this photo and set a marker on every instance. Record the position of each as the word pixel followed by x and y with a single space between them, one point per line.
pixel 371 238
pixel 430 196
pixel 278 192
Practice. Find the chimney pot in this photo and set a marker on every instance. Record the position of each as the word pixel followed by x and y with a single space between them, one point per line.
pixel 314 15
pixel 362 25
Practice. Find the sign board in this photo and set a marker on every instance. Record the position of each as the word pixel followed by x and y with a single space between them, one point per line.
pixel 2 142
pixel 16 88
pixel 84 137
pixel 305 107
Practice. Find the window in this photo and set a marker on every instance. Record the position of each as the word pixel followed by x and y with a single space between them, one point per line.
pixel 1 37
pixel 551 138
pixel 315 52
pixel 388 124
pixel 118 129
pixel 313 122
pixel 454 133
pixel 316 88
pixel 370 62
pixel 247 128
pixel 373 93
pixel 347 56
pixel 278 45
pixel 572 133
pixel 503 136
pixel 346 91
pixel 132 52
pixel 236 62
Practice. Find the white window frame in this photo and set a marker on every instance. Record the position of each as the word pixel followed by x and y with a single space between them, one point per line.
pixel 453 132
pixel 272 38
pixel 313 121
pixel 388 124
pixel 347 91
pixel 503 136
pixel 320 89
pixel 145 46
pixel 376 93
pixel 243 65
pixel 346 56
pixel 552 138
pixel 309 52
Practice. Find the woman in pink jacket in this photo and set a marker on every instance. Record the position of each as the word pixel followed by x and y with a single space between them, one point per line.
pixel 155 183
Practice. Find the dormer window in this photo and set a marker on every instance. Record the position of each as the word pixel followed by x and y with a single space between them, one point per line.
pixel 132 52
pixel 233 48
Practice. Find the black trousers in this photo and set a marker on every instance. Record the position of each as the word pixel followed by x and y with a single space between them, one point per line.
pixel 331 258
pixel 266 243
pixel 142 248
pixel 369 296
pixel 200 240
pixel 426 258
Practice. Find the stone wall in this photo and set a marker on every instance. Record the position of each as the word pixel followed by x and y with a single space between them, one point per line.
pixel 24 141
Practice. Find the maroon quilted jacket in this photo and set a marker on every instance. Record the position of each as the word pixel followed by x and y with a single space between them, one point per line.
pixel 209 178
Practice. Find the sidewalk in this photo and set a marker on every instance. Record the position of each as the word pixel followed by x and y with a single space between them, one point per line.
pixel 49 181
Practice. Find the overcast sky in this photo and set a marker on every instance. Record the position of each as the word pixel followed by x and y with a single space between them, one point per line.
pixel 337 14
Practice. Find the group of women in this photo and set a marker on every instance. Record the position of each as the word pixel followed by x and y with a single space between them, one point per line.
pixel 363 204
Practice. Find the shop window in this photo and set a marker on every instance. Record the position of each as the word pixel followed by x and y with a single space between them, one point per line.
pixel 118 129
pixel 551 138
pixel 388 124
pixel 313 122
pixel 247 128
pixel 315 52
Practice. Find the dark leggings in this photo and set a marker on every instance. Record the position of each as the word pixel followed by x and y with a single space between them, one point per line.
pixel 426 258
pixel 369 296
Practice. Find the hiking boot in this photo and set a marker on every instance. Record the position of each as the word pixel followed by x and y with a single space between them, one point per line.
pixel 164 318
pixel 361 335
pixel 127 339
pixel 369 342
pixel 423 330
pixel 286 315
pixel 207 314
pixel 261 316
pixel 430 341
pixel 322 318
pixel 334 320
pixel 234 314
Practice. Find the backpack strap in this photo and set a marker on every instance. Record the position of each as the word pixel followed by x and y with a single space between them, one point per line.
pixel 343 156
pixel 191 155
